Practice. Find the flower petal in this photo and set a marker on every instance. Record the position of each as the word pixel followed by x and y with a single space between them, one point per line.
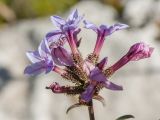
pixel 136 52
pixel 37 68
pixel 50 36
pixel 139 51
pixel 61 56
pixel 116 27
pixel 90 25
pixel 56 39
pixel 103 27
pixel 44 49
pixel 57 21
pixel 74 18
pixel 102 63
pixel 75 36
pixel 98 76
pixel 73 15
pixel 33 56
pixel 112 86
pixel 88 93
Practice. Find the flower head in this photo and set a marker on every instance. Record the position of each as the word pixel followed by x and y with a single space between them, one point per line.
pixel 89 75
pixel 137 52
pixel 97 79
pixel 71 23
pixel 68 28
pixel 41 59
pixel 103 31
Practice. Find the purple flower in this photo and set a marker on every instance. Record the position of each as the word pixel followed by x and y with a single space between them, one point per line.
pixel 41 59
pixel 88 74
pixel 97 78
pixel 55 38
pixel 71 23
pixel 137 52
pixel 103 31
pixel 61 56
pixel 68 29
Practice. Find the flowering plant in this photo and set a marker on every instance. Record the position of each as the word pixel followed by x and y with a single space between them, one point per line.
pixel 89 75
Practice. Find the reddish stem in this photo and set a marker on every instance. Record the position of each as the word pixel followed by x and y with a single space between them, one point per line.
pixel 72 43
pixel 91 110
pixel 59 70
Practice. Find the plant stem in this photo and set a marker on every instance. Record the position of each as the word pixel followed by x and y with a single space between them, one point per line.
pixel 91 110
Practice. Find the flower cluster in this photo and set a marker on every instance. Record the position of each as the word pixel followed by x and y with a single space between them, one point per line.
pixel 89 75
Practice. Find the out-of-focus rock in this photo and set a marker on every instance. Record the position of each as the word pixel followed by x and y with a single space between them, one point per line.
pixel 139 12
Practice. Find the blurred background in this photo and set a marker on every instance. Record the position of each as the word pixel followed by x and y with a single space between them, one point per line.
pixel 24 23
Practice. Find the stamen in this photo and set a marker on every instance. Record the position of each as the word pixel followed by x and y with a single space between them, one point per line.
pixel 78 60
pixel 59 42
pixel 108 72
pixel 93 58
pixel 79 72
pixel 73 77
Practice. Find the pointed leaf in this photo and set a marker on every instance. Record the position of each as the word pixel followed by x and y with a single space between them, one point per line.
pixel 74 106
pixel 99 98
pixel 124 117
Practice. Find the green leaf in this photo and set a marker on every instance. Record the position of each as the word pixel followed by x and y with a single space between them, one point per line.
pixel 124 117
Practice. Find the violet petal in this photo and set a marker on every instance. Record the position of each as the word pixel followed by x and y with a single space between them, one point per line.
pixel 90 25
pixel 112 86
pixel 98 76
pixel 139 51
pixel 116 27
pixel 37 68
pixel 88 93
pixel 55 39
pixel 74 19
pixel 43 49
pixel 33 56
pixel 62 56
pixel 73 15
pixel 102 63
pixel 136 52
pixel 51 35
pixel 57 21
